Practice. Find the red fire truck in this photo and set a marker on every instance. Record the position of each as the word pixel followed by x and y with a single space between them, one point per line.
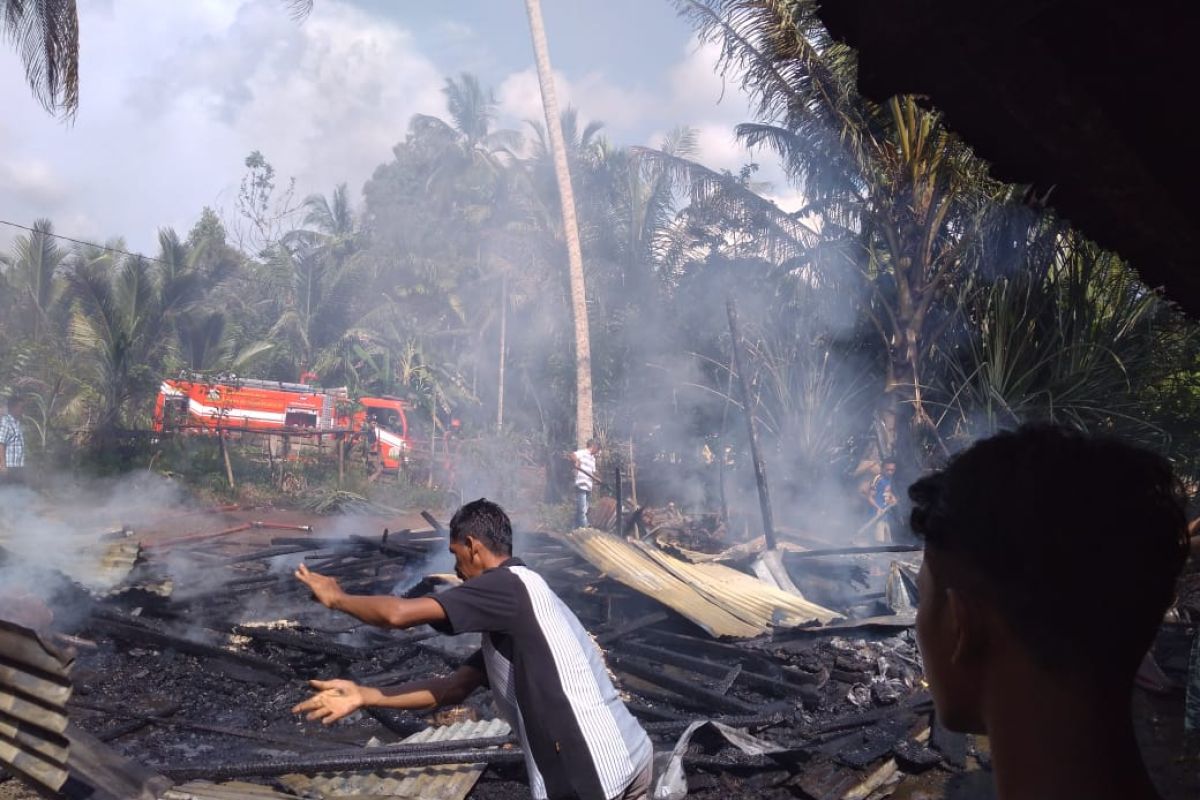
pixel 253 406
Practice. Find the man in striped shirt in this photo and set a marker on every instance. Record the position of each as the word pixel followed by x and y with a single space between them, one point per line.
pixel 547 676
pixel 12 442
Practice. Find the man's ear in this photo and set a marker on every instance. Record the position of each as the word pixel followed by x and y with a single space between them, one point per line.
pixel 965 627
pixel 473 546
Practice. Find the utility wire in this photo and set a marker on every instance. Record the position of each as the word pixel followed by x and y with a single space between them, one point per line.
pixel 80 241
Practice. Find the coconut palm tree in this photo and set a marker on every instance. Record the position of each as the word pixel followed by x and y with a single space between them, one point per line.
pixel 123 312
pixel 583 349
pixel 899 194
pixel 33 274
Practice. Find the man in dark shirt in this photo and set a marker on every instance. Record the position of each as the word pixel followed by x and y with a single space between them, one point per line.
pixel 1018 529
pixel 547 676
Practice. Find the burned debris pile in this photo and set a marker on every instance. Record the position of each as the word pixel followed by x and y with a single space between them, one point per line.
pixel 188 667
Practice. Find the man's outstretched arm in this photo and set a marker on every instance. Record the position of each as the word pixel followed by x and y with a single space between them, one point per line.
pixel 384 611
pixel 338 698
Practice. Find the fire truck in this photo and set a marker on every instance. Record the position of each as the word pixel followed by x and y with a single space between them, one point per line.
pixel 256 406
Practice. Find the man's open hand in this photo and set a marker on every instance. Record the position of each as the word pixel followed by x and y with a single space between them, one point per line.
pixel 324 588
pixel 336 699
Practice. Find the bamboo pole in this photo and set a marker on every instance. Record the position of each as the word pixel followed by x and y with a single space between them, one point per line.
pixel 760 469
pixel 503 343
pixel 632 475
pixel 225 457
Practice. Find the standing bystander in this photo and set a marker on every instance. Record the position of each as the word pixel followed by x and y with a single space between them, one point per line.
pixel 1051 693
pixel 882 497
pixel 585 473
pixel 12 443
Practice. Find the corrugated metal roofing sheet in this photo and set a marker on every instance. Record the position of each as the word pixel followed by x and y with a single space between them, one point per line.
pixel 232 790
pixel 624 563
pixel 34 689
pixel 37 741
pixel 449 782
pixel 721 600
pixel 744 595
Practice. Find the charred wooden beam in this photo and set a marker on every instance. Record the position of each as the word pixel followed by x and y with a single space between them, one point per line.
pixel 920 702
pixel 636 624
pixel 456 751
pixel 721 651
pixel 653 673
pixel 854 551
pixel 141 634
pixel 764 683
pixel 263 555
pixel 297 641
pixel 305 743
pixel 860 748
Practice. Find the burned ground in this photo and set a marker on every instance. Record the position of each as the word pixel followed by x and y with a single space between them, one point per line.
pixel 193 668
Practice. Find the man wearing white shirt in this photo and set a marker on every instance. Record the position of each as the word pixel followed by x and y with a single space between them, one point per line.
pixel 585 470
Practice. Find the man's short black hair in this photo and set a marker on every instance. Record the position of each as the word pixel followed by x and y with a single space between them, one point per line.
pixel 485 521
pixel 887 461
pixel 592 443
pixel 1077 540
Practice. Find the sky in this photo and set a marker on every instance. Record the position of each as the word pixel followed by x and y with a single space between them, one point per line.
pixel 176 93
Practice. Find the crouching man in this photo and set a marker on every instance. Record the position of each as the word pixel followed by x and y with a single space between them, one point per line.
pixel 1038 601
pixel 547 677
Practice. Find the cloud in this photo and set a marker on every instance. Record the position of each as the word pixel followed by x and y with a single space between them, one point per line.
pixel 174 95
pixel 35 180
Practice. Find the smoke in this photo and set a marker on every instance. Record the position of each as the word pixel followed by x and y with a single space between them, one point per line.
pixel 69 541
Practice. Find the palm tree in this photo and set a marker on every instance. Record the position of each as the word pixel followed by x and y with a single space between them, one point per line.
pixel 332 216
pixel 1070 336
pixel 583 350
pixel 123 313
pixel 899 196
pixel 34 268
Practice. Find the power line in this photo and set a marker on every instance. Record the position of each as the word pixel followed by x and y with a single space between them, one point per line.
pixel 80 241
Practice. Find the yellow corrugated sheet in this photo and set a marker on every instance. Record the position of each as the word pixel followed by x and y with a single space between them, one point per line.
pixel 721 600
pixel 620 561
pixel 745 595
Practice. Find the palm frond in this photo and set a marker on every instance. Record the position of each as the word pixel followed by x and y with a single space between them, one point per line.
pixel 46 35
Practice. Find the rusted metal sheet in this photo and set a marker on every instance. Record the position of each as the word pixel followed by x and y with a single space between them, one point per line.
pixel 624 563
pixel 720 599
pixel 450 782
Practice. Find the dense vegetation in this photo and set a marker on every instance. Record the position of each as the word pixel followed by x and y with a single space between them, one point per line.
pixel 912 305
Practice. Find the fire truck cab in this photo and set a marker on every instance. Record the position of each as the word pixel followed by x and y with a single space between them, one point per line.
pixel 384 418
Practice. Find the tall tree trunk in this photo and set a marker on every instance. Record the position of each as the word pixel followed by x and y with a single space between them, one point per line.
pixel 583 350
pixel 503 344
